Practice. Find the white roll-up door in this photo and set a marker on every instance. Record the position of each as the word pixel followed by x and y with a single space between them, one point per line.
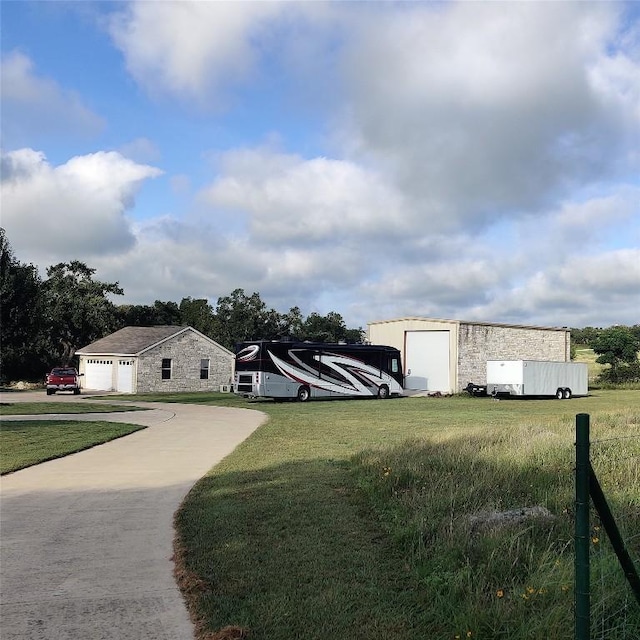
pixel 427 361
pixel 124 382
pixel 98 374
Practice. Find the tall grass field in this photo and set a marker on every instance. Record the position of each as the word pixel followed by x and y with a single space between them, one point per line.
pixel 403 519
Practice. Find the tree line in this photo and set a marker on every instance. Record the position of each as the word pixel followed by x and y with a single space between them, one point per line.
pixel 616 346
pixel 44 321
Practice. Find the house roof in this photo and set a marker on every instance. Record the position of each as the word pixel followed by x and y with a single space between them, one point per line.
pixel 470 322
pixel 131 341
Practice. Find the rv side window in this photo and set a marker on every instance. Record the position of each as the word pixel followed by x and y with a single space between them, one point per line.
pixel 394 365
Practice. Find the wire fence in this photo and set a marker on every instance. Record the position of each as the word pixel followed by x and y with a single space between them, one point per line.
pixel 607 535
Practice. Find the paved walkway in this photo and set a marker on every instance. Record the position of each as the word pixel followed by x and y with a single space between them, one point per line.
pixel 86 540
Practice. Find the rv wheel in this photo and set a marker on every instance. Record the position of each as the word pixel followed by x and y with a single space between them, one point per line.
pixel 560 394
pixel 567 394
pixel 303 394
pixel 383 392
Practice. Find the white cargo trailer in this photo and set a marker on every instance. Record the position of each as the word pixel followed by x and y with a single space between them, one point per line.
pixel 537 378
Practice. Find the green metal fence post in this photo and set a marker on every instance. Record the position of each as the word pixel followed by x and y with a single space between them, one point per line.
pixel 582 586
pixel 610 526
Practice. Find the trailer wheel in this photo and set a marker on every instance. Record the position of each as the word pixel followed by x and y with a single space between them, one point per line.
pixel 383 392
pixel 50 392
pixel 567 394
pixel 560 394
pixel 303 394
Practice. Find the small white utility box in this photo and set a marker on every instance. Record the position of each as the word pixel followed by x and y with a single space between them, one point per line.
pixel 537 378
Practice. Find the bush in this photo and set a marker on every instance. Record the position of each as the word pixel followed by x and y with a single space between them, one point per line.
pixel 622 374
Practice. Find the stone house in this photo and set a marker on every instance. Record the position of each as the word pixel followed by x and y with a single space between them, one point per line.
pixel 156 359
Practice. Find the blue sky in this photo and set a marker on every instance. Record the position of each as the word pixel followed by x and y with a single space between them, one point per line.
pixel 477 161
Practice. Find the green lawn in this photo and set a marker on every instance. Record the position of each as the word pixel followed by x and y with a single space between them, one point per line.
pixel 27 442
pixel 196 397
pixel 40 408
pixel 351 520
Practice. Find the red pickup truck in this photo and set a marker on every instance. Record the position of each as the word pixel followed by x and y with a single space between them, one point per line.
pixel 62 379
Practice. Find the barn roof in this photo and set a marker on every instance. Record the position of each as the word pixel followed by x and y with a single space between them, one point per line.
pixel 131 341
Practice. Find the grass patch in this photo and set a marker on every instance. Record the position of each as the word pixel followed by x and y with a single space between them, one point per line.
pixel 24 443
pixel 587 355
pixel 41 408
pixel 351 520
pixel 196 397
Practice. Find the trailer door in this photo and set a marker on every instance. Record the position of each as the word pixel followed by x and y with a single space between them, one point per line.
pixel 427 361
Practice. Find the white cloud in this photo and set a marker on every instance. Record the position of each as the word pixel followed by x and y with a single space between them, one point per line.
pixel 479 113
pixel 35 104
pixel 605 276
pixel 191 48
pixel 464 279
pixel 74 210
pixel 600 289
pixel 201 52
pixel 287 200
pixel 484 162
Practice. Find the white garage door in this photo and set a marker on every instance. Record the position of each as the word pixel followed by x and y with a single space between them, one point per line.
pixel 124 382
pixel 98 374
pixel 427 361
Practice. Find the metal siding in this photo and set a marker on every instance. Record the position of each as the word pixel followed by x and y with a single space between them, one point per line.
pixel 471 345
pixel 393 333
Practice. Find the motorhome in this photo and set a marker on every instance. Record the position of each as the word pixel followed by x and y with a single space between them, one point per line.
pixel 304 370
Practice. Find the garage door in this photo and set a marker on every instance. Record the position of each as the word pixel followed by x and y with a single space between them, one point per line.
pixel 427 361
pixel 124 382
pixel 98 374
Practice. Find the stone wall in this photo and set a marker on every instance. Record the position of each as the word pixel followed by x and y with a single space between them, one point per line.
pixel 185 351
pixel 478 343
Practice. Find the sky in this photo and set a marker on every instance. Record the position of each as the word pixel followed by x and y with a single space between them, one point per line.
pixel 462 160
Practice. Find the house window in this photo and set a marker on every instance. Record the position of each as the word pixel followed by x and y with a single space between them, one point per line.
pixel 204 369
pixel 166 368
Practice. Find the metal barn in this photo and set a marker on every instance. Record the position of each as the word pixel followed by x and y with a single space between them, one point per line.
pixel 445 355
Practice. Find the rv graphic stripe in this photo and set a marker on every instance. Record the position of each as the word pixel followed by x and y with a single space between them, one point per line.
pixel 350 376
pixel 248 354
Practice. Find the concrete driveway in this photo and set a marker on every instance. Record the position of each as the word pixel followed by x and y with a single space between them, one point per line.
pixel 86 540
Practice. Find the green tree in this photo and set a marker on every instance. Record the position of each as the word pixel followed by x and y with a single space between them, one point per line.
pixel 145 315
pixel 241 317
pixel 291 323
pixel 198 313
pixel 24 340
pixel 585 336
pixel 167 313
pixel 137 315
pixel 618 347
pixel 329 328
pixel 78 308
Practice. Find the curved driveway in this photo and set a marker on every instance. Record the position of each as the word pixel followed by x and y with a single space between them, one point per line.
pixel 86 540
